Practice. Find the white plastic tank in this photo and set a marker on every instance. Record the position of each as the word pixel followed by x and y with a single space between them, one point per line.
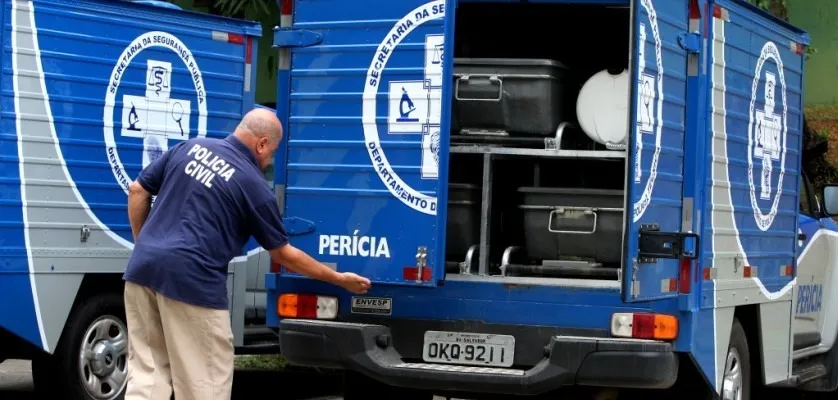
pixel 602 107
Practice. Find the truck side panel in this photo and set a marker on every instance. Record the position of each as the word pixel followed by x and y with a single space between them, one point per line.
pixel 89 98
pixel 756 72
pixel 15 285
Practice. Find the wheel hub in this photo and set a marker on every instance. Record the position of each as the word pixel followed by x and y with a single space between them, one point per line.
pixel 732 380
pixel 102 358
pixel 102 362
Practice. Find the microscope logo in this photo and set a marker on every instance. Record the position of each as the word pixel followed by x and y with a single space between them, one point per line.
pixel 767 130
pixel 153 117
pixel 415 106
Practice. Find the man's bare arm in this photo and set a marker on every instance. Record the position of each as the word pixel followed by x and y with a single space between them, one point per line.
pixel 299 261
pixel 139 205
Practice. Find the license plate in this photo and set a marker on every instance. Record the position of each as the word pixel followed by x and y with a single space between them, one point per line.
pixel 468 348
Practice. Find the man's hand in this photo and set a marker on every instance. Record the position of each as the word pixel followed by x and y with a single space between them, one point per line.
pixel 354 283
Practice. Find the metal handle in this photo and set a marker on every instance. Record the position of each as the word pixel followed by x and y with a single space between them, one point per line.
pixel 574 212
pixel 491 78
pixel 555 143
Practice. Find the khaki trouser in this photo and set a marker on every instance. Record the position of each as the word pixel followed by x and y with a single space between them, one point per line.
pixel 174 344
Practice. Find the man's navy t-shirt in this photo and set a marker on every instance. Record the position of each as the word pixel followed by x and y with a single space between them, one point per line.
pixel 211 197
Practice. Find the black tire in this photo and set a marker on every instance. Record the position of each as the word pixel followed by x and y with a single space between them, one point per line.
pixel 692 386
pixel 60 375
pixel 357 386
pixel 739 345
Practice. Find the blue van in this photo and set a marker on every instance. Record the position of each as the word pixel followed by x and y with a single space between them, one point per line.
pixel 92 91
pixel 552 193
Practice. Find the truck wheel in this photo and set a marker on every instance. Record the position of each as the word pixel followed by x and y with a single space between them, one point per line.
pixel 736 378
pixel 736 381
pixel 90 361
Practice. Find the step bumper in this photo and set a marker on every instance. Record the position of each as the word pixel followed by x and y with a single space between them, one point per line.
pixel 568 360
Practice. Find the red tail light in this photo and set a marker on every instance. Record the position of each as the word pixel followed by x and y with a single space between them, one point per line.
pixel 644 326
pixel 306 306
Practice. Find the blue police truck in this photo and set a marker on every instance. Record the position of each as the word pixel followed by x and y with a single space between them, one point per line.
pixel 92 91
pixel 551 193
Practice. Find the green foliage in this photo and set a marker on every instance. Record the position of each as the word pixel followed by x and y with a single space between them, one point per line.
pixel 265 362
pixel 767 4
pixel 780 9
pixel 810 50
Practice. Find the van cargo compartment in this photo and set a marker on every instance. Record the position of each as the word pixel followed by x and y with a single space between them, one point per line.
pixel 572 223
pixel 508 96
pixel 463 225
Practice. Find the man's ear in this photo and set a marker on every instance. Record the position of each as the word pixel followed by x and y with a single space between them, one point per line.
pixel 263 144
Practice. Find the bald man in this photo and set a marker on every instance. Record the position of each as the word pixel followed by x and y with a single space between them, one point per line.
pixel 211 197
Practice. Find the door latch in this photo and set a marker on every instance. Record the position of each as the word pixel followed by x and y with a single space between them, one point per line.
pixel 421 262
pixel 85 233
pixel 653 243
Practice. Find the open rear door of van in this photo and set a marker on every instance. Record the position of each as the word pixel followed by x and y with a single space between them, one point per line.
pixel 661 45
pixel 367 149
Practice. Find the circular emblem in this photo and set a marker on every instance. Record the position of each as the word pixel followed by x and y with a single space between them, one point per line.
pixel 159 116
pixel 405 104
pixel 649 108
pixel 767 130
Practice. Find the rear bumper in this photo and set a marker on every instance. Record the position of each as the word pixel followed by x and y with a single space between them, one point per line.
pixel 568 360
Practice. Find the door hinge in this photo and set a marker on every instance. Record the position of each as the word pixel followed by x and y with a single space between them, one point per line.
pixel 635 284
pixel 654 244
pixel 297 226
pixel 690 41
pixel 286 37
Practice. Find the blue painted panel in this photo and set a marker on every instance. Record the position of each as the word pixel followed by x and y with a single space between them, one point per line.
pixel 88 61
pixel 583 2
pixel 741 219
pixel 656 154
pixel 763 108
pixel 158 3
pixel 495 303
pixel 354 163
pixel 18 316
pixel 82 46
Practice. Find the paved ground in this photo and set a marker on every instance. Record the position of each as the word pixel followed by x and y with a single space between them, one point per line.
pixel 16 383
pixel 15 379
